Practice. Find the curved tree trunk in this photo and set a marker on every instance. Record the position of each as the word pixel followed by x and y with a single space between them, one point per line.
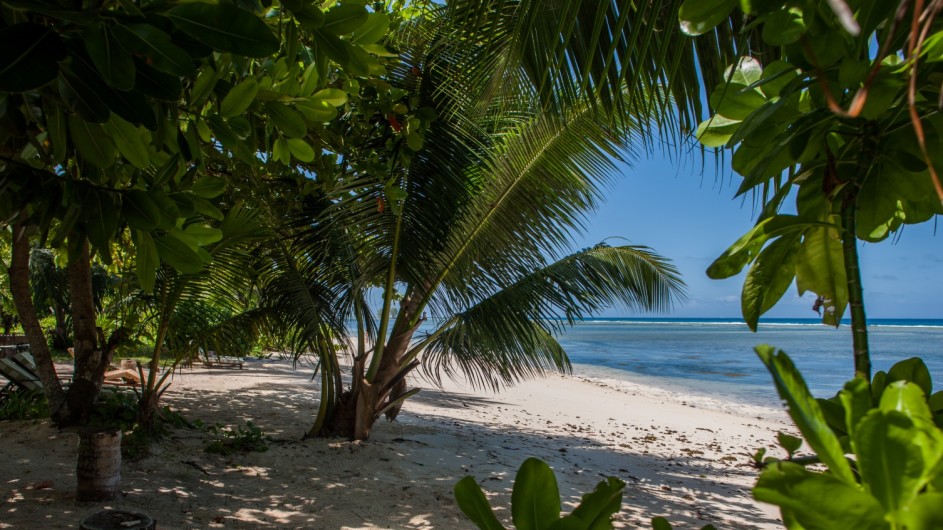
pixel 23 300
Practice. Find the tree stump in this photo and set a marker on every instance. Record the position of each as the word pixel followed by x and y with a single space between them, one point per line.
pixel 98 466
pixel 118 520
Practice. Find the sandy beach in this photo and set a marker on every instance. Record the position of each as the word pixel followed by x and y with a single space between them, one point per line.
pixel 682 457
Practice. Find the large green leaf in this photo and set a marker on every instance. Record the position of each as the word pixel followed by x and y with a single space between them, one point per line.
pixel 130 141
pixel 877 206
pixel 288 120
pixel 768 278
pixel 473 503
pixel 178 254
pixel 239 98
pixel 100 215
pixel 208 186
pixel 146 260
pixel 57 129
pixel 29 56
pixel 597 507
pixel 332 46
pixel 156 84
pixel 372 30
pixel 114 63
pixel 890 461
pixel 745 249
pixel 92 142
pixel 736 101
pixel 140 210
pixel 923 513
pixel 345 18
pixel 156 45
pixel 855 397
pixel 805 412
pixel 81 98
pixel 783 26
pixel 821 269
pixel 818 501
pixel 913 370
pixel 225 27
pixel 535 499
pixel 700 16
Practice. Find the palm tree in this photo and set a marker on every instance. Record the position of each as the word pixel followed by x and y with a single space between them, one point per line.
pixel 474 230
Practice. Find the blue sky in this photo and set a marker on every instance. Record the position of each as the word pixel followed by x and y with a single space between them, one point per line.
pixel 691 216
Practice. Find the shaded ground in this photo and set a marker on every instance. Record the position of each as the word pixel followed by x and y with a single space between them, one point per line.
pixel 401 479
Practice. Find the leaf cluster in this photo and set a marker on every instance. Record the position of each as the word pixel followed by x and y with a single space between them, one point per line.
pixel 535 502
pixel 892 429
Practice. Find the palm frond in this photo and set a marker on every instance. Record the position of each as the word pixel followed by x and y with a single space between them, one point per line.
pixel 509 335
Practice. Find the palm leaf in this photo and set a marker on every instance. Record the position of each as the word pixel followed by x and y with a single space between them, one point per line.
pixel 509 335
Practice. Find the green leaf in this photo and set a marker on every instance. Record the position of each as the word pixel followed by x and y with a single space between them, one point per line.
pixel 805 412
pixel 768 278
pixel 736 101
pixel 818 501
pixel 344 18
pixel 332 46
pixel 82 99
pixel 57 129
pixel 783 27
pixel 197 235
pixel 310 17
pixel 140 210
pixel 146 260
pixel 700 16
pixel 208 186
pixel 877 206
pixel 156 84
pixel 414 141
pixel 788 442
pixel 100 214
pixel 114 63
pixel 821 269
pixel 239 98
pixel 379 50
pixel 912 370
pixel 373 30
pixel 301 150
pixel 923 513
pixel 167 207
pixel 155 45
pixel 535 499
pixel 331 96
pixel 856 400
pixel 281 152
pixel 716 131
pixel 316 111
pixel 597 507
pixel 473 503
pixel 776 76
pixel 287 119
pixel 225 27
pixel 207 208
pixel 889 460
pixel 660 523
pixel 29 56
pixel 745 249
pixel 178 254
pixel 747 72
pixel 93 144
pixel 130 141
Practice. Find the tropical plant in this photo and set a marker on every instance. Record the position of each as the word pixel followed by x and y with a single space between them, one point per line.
pixel 892 429
pixel 137 117
pixel 465 218
pixel 839 124
pixel 535 502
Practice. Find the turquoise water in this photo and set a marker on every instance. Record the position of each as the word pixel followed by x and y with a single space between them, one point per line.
pixel 715 357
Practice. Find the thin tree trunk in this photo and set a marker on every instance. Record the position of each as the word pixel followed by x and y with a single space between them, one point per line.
pixel 23 300
pixel 859 323
pixel 91 355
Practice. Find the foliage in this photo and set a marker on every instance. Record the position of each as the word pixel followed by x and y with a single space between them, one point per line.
pixel 847 125
pixel 23 405
pixel 535 502
pixel 895 478
pixel 244 439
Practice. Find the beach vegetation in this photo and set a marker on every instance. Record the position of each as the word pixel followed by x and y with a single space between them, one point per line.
pixel 840 123
pixel 248 438
pixel 535 502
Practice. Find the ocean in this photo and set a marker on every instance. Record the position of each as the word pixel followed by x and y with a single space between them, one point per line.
pixel 715 358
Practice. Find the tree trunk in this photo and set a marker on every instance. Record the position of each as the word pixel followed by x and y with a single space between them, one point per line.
pixel 91 354
pixel 23 300
pixel 357 410
pixel 859 322
pixel 98 467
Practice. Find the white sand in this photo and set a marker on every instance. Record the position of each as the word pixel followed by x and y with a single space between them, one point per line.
pixel 683 457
